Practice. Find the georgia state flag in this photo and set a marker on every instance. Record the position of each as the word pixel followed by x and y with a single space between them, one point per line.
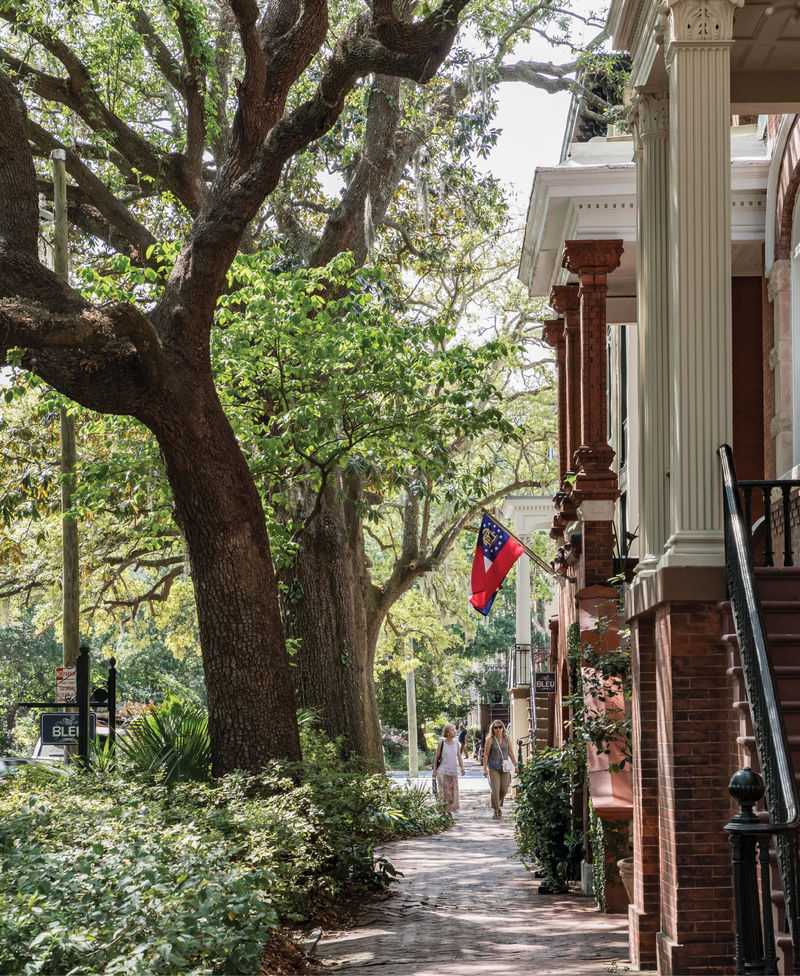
pixel 495 553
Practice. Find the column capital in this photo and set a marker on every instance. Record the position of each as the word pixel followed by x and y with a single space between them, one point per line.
pixel 565 299
pixel 649 113
pixel 553 331
pixel 593 257
pixel 700 23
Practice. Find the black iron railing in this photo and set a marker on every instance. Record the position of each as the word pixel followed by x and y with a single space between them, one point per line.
pixel 529 742
pixel 755 943
pixel 773 495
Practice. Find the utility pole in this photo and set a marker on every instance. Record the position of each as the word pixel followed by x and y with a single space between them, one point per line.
pixel 411 706
pixel 69 527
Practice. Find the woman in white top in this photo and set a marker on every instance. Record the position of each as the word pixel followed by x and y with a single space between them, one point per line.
pixel 445 767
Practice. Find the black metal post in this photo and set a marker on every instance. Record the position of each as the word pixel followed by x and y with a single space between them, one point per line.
pixel 770 956
pixel 519 752
pixel 112 701
pixel 747 788
pixel 82 676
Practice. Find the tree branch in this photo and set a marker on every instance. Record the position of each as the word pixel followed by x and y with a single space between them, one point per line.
pixel 96 193
pixel 19 208
pixel 158 50
pixel 78 93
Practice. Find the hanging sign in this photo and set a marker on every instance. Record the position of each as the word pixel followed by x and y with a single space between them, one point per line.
pixel 545 682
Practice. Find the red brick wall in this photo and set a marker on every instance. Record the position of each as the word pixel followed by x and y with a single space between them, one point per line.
pixel 788 180
pixel 597 558
pixel 644 912
pixel 695 728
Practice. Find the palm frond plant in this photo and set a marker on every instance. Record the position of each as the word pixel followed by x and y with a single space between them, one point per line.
pixel 171 742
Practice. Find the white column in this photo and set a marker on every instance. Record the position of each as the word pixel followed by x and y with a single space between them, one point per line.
pixel 411 709
pixel 779 290
pixel 524 600
pixel 650 118
pixel 697 52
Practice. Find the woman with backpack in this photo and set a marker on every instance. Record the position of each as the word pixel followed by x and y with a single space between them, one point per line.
pixel 446 763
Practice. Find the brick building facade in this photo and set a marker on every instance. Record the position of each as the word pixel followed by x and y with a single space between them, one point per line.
pixel 671 260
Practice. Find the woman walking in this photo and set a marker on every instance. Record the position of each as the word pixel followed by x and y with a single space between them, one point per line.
pixel 498 761
pixel 445 767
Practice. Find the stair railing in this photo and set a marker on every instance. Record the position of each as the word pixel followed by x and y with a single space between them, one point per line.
pixel 755 943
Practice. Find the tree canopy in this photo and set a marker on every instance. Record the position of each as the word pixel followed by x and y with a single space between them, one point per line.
pixel 193 132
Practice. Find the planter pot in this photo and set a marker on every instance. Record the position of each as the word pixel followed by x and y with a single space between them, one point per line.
pixel 625 866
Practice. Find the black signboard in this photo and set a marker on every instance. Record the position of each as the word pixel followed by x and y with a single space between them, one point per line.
pixel 545 682
pixel 61 728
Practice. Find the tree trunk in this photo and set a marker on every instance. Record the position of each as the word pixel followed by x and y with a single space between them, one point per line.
pixel 325 612
pixel 251 706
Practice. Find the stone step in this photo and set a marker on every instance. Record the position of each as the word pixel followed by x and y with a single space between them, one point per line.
pixel 784 648
pixel 783 944
pixel 749 742
pixel 778 582
pixel 782 616
pixel 787 676
pixel 790 710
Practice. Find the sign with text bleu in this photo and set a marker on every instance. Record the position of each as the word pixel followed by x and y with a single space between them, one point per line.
pixel 61 728
pixel 545 682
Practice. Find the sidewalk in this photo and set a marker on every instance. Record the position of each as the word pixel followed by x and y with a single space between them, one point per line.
pixel 466 907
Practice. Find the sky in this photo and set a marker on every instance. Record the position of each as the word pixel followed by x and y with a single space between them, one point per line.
pixel 532 123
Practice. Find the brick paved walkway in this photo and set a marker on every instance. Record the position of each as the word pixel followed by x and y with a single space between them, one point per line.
pixel 467 907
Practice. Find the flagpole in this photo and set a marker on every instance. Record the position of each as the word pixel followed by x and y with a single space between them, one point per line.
pixel 537 559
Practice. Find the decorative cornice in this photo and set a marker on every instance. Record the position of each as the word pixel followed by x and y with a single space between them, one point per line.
pixel 592 257
pixel 701 22
pixel 553 331
pixel 565 299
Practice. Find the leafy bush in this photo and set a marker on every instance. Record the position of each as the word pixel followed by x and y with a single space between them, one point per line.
pixel 395 749
pixel 543 818
pixel 118 874
pixel 171 741
pixel 6 741
pixel 610 841
pixel 25 734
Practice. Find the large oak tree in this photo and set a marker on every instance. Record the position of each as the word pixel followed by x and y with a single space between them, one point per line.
pixel 156 366
pixel 204 122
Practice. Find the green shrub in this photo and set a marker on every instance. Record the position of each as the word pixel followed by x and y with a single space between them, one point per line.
pixel 610 841
pixel 395 748
pixel 118 874
pixel 6 741
pixel 172 742
pixel 543 818
pixel 25 734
